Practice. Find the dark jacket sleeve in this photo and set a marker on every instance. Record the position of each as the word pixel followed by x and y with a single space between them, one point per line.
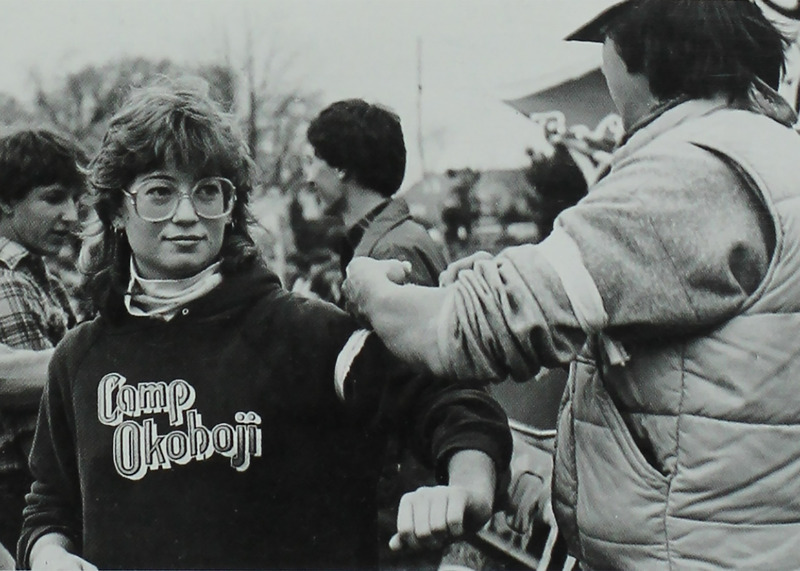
pixel 54 502
pixel 437 417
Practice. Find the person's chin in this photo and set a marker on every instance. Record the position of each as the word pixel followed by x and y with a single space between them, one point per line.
pixel 189 265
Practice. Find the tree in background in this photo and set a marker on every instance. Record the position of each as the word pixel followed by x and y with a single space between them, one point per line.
pixel 273 111
pixel 12 112
pixel 82 103
pixel 276 112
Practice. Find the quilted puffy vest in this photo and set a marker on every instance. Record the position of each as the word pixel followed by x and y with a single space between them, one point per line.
pixel 688 456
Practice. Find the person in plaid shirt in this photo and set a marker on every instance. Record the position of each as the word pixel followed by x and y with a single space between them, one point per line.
pixel 41 180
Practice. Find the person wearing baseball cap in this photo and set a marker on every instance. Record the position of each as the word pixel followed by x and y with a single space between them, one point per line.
pixel 671 290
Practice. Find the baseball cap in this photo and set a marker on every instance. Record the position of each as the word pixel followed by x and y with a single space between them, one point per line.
pixel 595 29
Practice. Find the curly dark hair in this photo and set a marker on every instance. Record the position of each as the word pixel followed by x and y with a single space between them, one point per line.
pixel 39 156
pixel 698 48
pixel 364 140
pixel 167 122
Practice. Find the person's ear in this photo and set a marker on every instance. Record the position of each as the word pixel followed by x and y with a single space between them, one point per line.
pixel 341 173
pixel 6 209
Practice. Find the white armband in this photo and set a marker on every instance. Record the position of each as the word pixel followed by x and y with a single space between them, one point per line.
pixel 564 256
pixel 346 357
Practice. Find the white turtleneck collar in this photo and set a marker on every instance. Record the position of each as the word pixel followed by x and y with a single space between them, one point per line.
pixel 163 298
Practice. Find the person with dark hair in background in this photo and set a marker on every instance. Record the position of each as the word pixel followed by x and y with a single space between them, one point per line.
pixel 40 184
pixel 356 165
pixel 207 418
pixel 671 289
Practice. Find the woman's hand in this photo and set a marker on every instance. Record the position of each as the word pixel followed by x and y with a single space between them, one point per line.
pixel 50 553
pixel 430 517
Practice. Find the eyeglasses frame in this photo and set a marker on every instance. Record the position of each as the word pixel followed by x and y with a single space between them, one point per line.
pixel 131 194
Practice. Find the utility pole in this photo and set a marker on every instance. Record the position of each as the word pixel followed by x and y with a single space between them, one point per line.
pixel 252 102
pixel 419 108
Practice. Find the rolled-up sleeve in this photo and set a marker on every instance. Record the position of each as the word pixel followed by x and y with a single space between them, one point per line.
pixel 502 319
pixel 664 245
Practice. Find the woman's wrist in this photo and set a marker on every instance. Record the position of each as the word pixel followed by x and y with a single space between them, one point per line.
pixel 48 543
pixel 474 471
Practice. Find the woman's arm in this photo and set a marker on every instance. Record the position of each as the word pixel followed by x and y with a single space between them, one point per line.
pixel 457 429
pixel 54 504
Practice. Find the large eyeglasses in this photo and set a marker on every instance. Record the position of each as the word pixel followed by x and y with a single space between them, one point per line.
pixel 157 200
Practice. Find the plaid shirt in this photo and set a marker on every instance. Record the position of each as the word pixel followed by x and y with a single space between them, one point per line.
pixel 35 313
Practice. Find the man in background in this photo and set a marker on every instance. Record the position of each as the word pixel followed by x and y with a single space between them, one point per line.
pixel 357 165
pixel 40 183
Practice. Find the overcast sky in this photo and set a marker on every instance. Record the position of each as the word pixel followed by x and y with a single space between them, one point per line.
pixel 473 53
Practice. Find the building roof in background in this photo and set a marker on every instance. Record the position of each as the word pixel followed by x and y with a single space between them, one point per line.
pixel 579 92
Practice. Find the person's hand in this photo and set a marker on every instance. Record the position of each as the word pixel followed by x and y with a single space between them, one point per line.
pixel 366 277
pixel 529 495
pixel 363 270
pixel 54 557
pixel 450 273
pixel 529 499
pixel 429 517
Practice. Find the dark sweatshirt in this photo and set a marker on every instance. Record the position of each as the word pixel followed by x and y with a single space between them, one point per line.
pixel 217 440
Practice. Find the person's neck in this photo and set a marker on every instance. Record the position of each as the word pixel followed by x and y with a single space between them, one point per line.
pixel 637 101
pixel 638 112
pixel 360 201
pixel 7 232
